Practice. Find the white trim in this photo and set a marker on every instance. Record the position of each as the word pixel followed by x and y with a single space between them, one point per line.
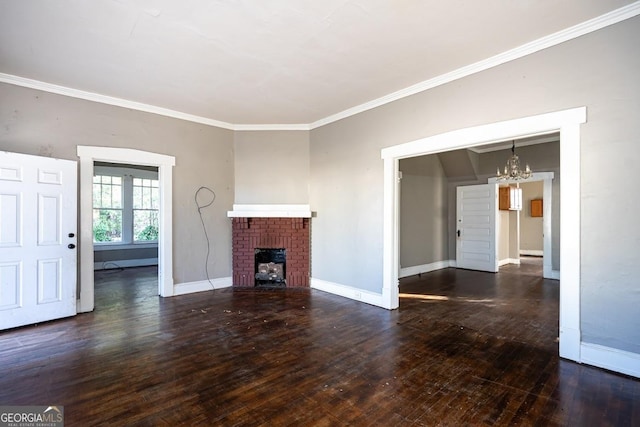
pixel 124 263
pixel 270 211
pixel 424 268
pixel 110 100
pixel 531 252
pixel 506 145
pixel 551 40
pixel 570 192
pixel 348 292
pixel 611 18
pixel 258 127
pixel 610 358
pixel 507 261
pixel 554 275
pixel 202 286
pixel 88 155
pixel 568 122
pixel 483 134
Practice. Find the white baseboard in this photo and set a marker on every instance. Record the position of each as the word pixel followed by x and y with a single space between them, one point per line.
pixel 612 359
pixel 555 275
pixel 424 268
pixel 201 286
pixel 348 292
pixel 509 261
pixel 531 252
pixel 124 263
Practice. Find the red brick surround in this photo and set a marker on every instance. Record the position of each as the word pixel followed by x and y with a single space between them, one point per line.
pixel 291 234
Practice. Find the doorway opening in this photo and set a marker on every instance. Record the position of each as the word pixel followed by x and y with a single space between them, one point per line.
pixel 547 227
pixel 567 123
pixel 88 156
pixel 125 216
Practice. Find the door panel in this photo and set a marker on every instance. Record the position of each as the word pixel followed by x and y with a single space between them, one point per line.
pixel 49 281
pixel 476 227
pixel 49 220
pixel 10 284
pixel 10 224
pixel 38 213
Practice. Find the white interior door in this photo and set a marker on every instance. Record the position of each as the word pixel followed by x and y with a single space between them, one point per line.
pixel 476 224
pixel 38 220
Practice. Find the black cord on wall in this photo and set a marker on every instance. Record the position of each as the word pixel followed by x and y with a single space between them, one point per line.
pixel 209 197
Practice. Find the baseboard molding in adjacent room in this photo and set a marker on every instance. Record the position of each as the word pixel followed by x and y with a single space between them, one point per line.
pixel 609 358
pixel 424 268
pixel 531 252
pixel 348 292
pixel 202 285
pixel 508 261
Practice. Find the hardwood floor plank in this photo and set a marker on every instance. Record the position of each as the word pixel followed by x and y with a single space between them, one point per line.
pixel 464 348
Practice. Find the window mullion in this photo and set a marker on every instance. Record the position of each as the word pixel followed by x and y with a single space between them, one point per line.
pixel 127 209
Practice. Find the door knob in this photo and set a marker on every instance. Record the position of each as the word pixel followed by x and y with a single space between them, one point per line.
pixel 71 246
pixel 71 235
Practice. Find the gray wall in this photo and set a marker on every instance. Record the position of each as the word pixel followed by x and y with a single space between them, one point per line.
pixel 599 71
pixel 272 167
pixel 110 258
pixel 423 212
pixel 40 123
pixel 531 236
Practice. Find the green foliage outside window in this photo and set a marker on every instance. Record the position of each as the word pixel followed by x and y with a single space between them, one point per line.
pixel 145 225
pixel 107 225
pixel 140 209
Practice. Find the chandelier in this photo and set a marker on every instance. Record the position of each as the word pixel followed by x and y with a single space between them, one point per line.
pixel 512 168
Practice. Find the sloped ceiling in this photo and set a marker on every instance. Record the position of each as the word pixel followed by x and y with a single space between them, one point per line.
pixel 541 152
pixel 237 62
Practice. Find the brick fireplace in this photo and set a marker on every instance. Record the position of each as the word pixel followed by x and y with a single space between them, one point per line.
pixel 255 232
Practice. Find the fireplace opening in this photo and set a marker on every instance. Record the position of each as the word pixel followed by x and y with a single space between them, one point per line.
pixel 270 267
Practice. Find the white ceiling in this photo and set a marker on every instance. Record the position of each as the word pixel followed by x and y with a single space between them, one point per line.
pixel 243 62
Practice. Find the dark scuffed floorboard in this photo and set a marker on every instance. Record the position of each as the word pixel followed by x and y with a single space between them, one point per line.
pixel 464 349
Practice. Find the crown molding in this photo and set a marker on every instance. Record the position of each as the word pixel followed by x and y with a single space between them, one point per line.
pixel 554 39
pixel 551 40
pixel 272 127
pixel 110 100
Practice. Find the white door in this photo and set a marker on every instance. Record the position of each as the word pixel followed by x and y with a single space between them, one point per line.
pixel 38 220
pixel 476 222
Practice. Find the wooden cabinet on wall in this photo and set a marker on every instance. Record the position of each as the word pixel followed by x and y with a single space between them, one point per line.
pixel 509 198
pixel 504 198
pixel 536 207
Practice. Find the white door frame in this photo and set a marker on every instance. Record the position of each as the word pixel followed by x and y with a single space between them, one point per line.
pixel 88 155
pixel 567 122
pixel 547 195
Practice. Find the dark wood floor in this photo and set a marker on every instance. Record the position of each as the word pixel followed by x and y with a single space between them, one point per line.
pixel 465 348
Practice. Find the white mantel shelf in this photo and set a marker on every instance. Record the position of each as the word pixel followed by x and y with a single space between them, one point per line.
pixel 270 211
